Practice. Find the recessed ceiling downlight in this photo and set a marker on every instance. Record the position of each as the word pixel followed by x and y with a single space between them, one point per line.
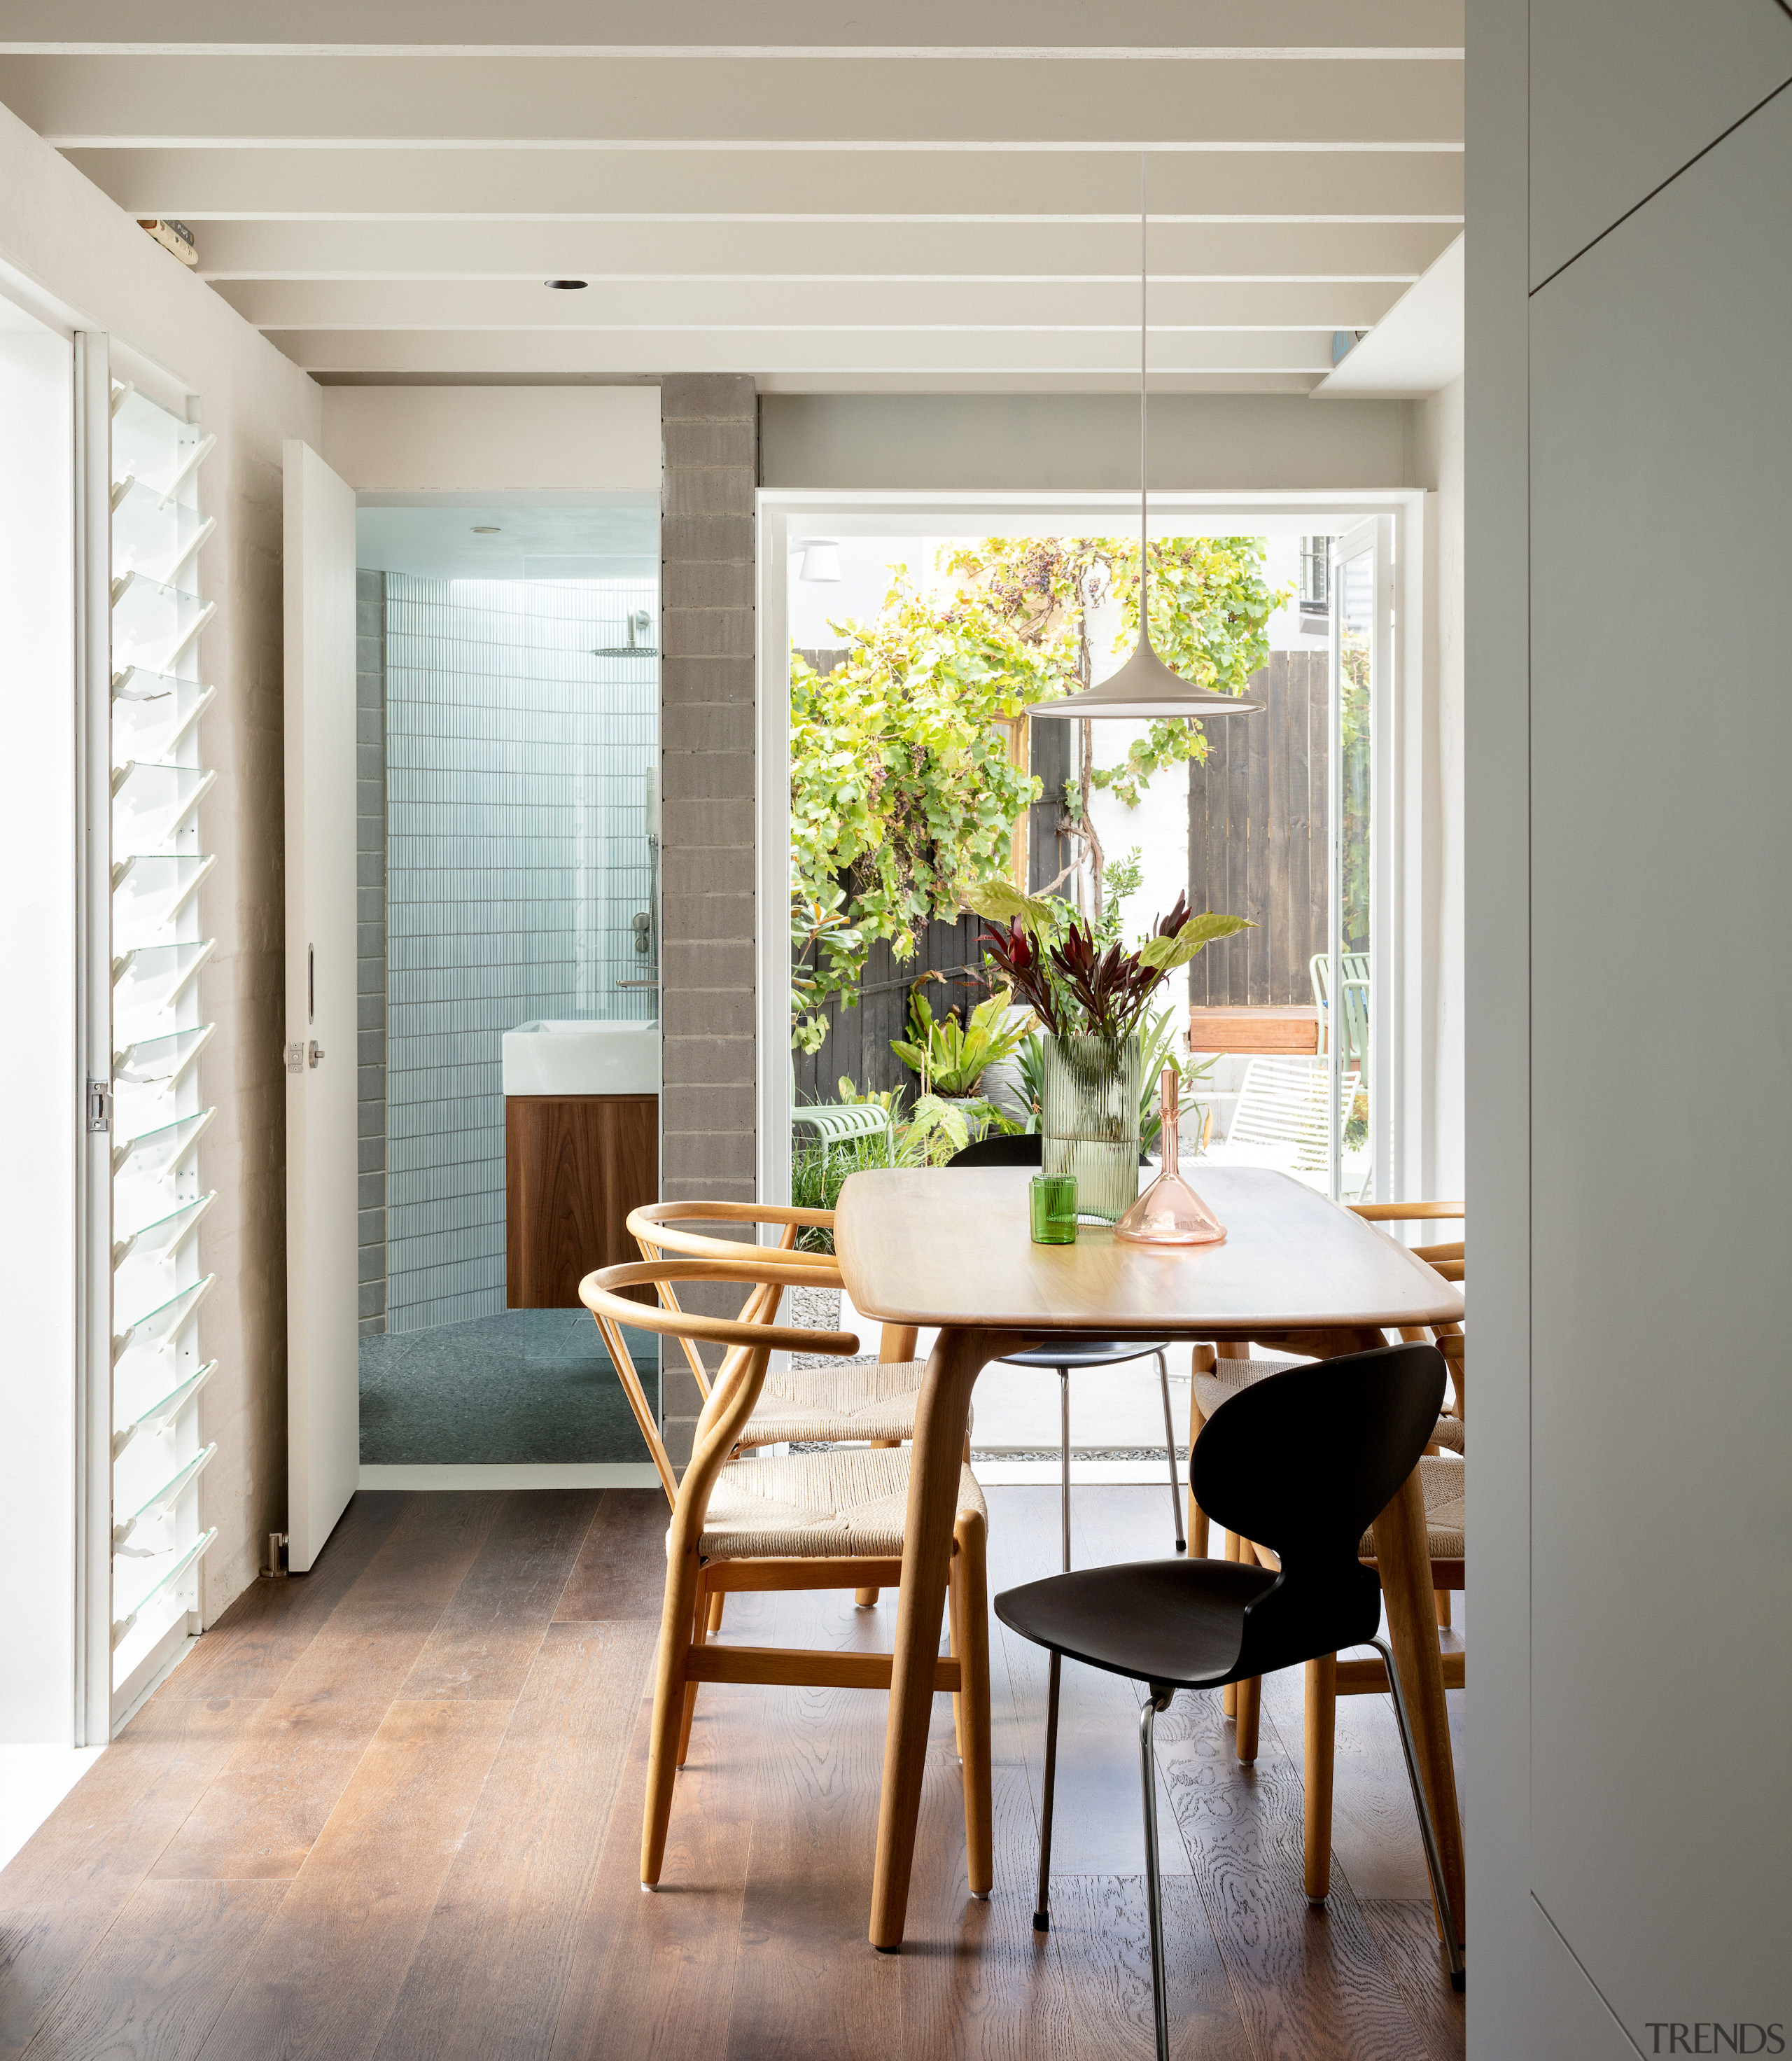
pixel 568 286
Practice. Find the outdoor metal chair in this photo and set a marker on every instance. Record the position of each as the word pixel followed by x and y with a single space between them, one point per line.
pixel 1283 1119
pixel 838 1122
pixel 1355 965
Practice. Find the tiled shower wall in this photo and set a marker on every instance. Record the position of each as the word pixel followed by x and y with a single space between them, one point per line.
pixel 517 859
pixel 369 949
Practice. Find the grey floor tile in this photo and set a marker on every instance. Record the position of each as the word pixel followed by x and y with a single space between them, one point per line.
pixel 526 1386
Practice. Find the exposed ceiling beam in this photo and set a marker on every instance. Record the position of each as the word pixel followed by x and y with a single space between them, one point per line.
pixel 351 184
pixel 781 305
pixel 1114 352
pixel 1071 26
pixel 698 103
pixel 1200 385
pixel 1375 253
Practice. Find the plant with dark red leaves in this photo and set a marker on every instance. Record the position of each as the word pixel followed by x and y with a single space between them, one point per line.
pixel 1074 988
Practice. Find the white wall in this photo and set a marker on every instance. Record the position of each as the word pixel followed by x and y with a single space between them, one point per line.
pixel 1629 447
pixel 40 1112
pixel 492 439
pixel 1059 443
pixel 64 235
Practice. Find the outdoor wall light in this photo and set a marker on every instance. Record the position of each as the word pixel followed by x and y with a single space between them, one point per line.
pixel 820 557
pixel 1145 688
pixel 567 285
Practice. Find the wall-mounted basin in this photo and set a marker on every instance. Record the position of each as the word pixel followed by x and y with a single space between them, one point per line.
pixel 579 1056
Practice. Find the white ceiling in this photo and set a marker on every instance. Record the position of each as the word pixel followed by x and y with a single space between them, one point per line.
pixel 819 206
pixel 510 536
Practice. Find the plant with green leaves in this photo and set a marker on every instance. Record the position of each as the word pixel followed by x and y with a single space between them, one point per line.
pixel 1075 988
pixel 938 1128
pixel 901 784
pixel 902 788
pixel 950 1057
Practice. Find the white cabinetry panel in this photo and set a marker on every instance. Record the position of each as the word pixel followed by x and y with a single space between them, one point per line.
pixel 1623 93
pixel 1662 1094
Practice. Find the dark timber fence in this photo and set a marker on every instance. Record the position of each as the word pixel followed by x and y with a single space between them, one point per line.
pixel 1257 848
pixel 1257 838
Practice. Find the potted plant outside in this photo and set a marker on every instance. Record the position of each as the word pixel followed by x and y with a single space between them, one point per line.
pixel 952 1058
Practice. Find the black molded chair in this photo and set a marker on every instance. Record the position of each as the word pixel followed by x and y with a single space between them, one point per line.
pixel 1304 1461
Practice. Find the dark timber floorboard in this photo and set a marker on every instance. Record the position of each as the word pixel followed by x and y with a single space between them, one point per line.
pixel 392 1809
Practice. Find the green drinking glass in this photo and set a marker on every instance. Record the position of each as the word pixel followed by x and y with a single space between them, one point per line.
pixel 1054 1198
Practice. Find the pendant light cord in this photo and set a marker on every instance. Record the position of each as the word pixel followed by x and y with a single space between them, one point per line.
pixel 1144 332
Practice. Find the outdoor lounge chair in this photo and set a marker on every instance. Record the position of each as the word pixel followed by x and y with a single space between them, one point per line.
pixel 1280 1121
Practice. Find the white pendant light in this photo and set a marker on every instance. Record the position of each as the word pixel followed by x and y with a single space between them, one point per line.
pixel 1145 688
pixel 820 557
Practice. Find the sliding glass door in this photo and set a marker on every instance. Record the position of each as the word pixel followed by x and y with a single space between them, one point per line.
pixel 1354 985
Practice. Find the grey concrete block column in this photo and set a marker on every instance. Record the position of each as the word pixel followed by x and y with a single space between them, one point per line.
pixel 708 633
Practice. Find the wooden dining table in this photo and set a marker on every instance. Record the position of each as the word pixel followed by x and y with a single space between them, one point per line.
pixel 925 1246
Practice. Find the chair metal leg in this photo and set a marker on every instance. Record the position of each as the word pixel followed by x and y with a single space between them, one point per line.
pixel 1158 1700
pixel 1041 1913
pixel 1042 1902
pixel 1428 1831
pixel 1170 1448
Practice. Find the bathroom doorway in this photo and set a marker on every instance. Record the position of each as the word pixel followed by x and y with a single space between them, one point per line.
pixel 507 700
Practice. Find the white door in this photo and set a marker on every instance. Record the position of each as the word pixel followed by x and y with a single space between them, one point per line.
pixel 323 1392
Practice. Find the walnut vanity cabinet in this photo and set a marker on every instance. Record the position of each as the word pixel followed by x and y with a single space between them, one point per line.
pixel 574 1166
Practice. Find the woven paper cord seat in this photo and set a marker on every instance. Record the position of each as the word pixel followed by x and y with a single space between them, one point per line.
pixel 825 1405
pixel 1441 1477
pixel 848 1504
pixel 1213 1390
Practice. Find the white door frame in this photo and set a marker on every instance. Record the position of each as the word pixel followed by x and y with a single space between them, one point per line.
pixel 785 513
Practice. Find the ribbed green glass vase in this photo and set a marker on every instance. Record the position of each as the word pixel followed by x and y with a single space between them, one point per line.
pixel 1088 1117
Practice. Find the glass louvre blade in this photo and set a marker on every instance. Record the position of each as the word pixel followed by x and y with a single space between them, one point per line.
pixel 156 1416
pixel 164 1497
pixel 153 712
pixel 151 801
pixel 152 623
pixel 155 1151
pixel 164 1235
pixel 158 449
pixel 153 539
pixel 156 1327
pixel 148 891
pixel 151 979
pixel 148 443
pixel 123 1627
pixel 160 1059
